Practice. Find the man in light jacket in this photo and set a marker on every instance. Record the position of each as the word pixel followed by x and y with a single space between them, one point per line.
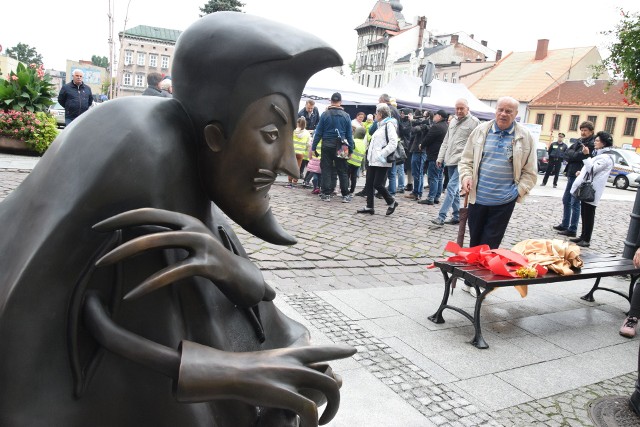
pixel 497 168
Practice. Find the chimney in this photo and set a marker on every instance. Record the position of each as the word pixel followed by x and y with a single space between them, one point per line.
pixel 422 24
pixel 498 55
pixel 483 43
pixel 454 39
pixel 471 35
pixel 543 49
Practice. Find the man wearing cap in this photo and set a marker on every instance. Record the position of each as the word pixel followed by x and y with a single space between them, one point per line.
pixel 556 156
pixel 433 141
pixel 334 129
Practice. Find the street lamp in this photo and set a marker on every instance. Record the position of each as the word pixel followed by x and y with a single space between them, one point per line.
pixel 555 111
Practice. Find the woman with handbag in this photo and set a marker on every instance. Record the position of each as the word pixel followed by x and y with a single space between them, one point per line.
pixel 595 172
pixel 383 143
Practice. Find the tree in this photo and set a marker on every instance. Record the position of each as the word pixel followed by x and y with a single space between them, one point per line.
pixel 221 5
pixel 25 54
pixel 100 61
pixel 623 62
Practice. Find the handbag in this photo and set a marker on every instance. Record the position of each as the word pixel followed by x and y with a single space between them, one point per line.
pixel 399 155
pixel 585 191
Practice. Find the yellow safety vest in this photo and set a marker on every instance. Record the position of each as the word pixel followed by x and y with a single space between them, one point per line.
pixel 300 144
pixel 358 153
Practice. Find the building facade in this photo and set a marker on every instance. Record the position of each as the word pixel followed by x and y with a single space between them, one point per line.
pixel 143 49
pixel 565 106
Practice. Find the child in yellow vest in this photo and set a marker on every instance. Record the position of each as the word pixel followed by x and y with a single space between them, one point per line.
pixel 301 145
pixel 355 161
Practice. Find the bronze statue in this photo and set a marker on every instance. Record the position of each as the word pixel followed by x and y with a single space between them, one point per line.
pixel 125 297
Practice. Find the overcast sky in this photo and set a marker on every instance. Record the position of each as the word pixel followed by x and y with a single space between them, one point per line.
pixel 78 30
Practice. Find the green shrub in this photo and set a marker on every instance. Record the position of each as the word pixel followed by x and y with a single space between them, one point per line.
pixel 38 130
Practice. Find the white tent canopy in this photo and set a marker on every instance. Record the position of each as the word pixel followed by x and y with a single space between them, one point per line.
pixel 443 96
pixel 404 89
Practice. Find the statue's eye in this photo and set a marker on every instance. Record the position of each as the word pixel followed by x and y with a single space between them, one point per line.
pixel 270 133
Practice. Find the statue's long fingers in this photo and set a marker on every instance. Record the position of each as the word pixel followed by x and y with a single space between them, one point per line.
pixel 290 399
pixel 164 277
pixel 149 216
pixel 315 354
pixel 171 239
pixel 316 381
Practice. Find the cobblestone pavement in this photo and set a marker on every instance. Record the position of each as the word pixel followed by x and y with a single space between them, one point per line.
pixel 338 249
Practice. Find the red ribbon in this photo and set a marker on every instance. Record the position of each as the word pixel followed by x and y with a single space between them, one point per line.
pixel 501 262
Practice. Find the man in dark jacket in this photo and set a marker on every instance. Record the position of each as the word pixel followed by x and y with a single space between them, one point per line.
pixel 310 114
pixel 418 156
pixel 153 86
pixel 574 158
pixel 433 141
pixel 75 97
pixel 332 120
pixel 556 156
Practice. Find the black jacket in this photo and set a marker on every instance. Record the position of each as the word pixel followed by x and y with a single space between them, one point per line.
pixel 574 155
pixel 312 119
pixel 75 99
pixel 434 139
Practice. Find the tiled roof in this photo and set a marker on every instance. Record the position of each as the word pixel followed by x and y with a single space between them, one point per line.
pixel 428 51
pixel 153 33
pixel 576 93
pixel 382 16
pixel 519 75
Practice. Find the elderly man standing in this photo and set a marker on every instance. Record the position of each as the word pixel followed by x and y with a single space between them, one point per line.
pixel 449 155
pixel 497 168
pixel 75 97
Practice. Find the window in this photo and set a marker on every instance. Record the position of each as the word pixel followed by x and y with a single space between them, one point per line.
pixel 573 124
pixel 445 77
pixel 556 121
pixel 165 62
pixel 141 56
pixel 630 127
pixel 454 77
pixel 540 119
pixel 126 79
pixel 592 119
pixel 153 60
pixel 139 80
pixel 609 124
pixel 436 76
pixel 128 57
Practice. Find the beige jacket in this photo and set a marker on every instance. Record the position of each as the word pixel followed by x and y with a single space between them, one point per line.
pixel 525 158
pixel 456 138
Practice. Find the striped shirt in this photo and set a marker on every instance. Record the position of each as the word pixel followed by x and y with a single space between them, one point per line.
pixel 495 177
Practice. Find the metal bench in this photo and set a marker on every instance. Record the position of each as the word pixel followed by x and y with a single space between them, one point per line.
pixel 595 266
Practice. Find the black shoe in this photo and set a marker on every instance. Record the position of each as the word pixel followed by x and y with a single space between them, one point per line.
pixel 559 227
pixel 360 194
pixel 634 403
pixel 567 233
pixel 392 208
pixel 575 239
pixel 370 211
pixel 583 244
pixel 436 202
pixel 409 187
pixel 425 202
pixel 452 221
pixel 378 196
pixel 554 186
pixel 543 184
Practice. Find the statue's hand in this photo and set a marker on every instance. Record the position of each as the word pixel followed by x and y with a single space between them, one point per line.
pixel 237 277
pixel 283 378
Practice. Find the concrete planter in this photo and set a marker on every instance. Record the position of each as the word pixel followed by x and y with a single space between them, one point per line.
pixel 13 145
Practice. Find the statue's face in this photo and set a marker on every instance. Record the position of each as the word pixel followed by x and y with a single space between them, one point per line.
pixel 239 171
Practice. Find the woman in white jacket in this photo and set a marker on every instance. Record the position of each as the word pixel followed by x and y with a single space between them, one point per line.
pixel 600 166
pixel 383 142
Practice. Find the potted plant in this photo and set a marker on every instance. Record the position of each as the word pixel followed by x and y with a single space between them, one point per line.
pixel 25 97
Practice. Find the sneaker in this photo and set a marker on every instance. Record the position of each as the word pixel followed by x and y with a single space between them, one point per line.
pixel 425 202
pixel 473 292
pixel 583 244
pixel 315 191
pixel 400 191
pixel 325 197
pixel 289 185
pixel 452 221
pixel 559 227
pixel 361 194
pixel 567 233
pixel 543 184
pixel 346 199
pixel 438 222
pixel 465 288
pixel 411 196
pixel 628 329
pixel 554 186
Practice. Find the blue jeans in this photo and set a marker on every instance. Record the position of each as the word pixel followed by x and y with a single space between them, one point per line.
pixel 434 176
pixel 417 170
pixel 571 210
pixel 400 175
pixel 391 174
pixel 452 197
